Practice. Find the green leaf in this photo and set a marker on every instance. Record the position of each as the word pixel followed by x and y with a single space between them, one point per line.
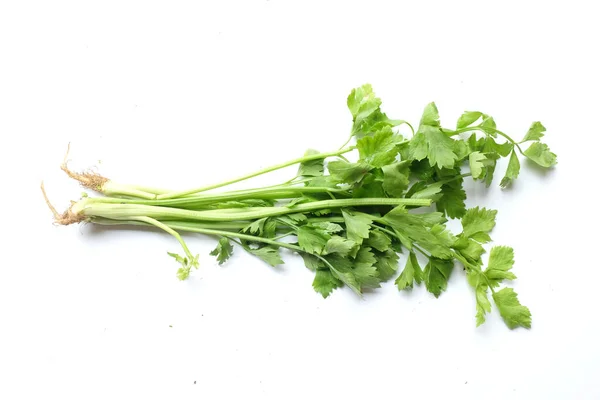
pixel 186 265
pixel 443 235
pixel 296 217
pixel 412 272
pixel 478 220
pixel 432 218
pixel 342 269
pixel 312 262
pixel 483 304
pixel 312 167
pixel 181 260
pixel 469 249
pixel 540 154
pixel 395 178
pixel 378 240
pixel 513 313
pixel 365 272
pixel 431 116
pixel 268 254
pixel 418 147
pixel 324 282
pixel 414 227
pixel 366 115
pixel 255 226
pixel 370 186
pixel 362 102
pixel 476 163
pixel 512 171
pixel 323 211
pixel 432 143
pixel 500 263
pixel 345 172
pixel 488 125
pixel 321 181
pixel 312 240
pixel 379 149
pixel 436 275
pixel 357 226
pixel 475 144
pixel 340 245
pixel 467 119
pixel 374 123
pixel 387 264
pixel 183 273
pixel 499 149
pixel 223 250
pixel 461 149
pixel 270 228
pixel 481 237
pixel 328 227
pixel 422 170
pixel 535 132
pixel 424 191
pixel 489 172
pixel 452 202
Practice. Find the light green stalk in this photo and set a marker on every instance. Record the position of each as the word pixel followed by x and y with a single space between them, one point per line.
pixel 257 173
pixel 126 211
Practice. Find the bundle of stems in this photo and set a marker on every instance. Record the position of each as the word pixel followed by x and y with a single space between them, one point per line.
pixel 349 220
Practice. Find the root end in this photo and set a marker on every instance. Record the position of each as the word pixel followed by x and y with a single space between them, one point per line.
pixel 66 218
pixel 90 180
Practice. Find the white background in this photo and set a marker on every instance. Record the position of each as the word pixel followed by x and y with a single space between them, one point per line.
pixel 182 94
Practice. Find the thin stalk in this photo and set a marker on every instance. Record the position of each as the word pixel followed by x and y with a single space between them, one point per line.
pixel 126 211
pixel 157 191
pixel 348 141
pixel 273 193
pixel 111 188
pixel 471 267
pixel 215 232
pixel 382 229
pixel 284 235
pixel 325 219
pixel 233 226
pixel 252 175
pixel 166 228
pixel 477 128
pixel 443 182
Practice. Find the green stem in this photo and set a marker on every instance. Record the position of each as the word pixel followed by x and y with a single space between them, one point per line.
pixel 111 188
pixel 381 228
pixel 325 219
pixel 166 228
pixel 443 182
pixel 510 140
pixel 272 193
pixel 347 141
pixel 170 227
pixel 284 235
pixel 156 191
pixel 257 173
pixel 471 267
pixel 233 226
pixel 478 128
pixel 126 211
pixel 188 228
pixel 421 251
